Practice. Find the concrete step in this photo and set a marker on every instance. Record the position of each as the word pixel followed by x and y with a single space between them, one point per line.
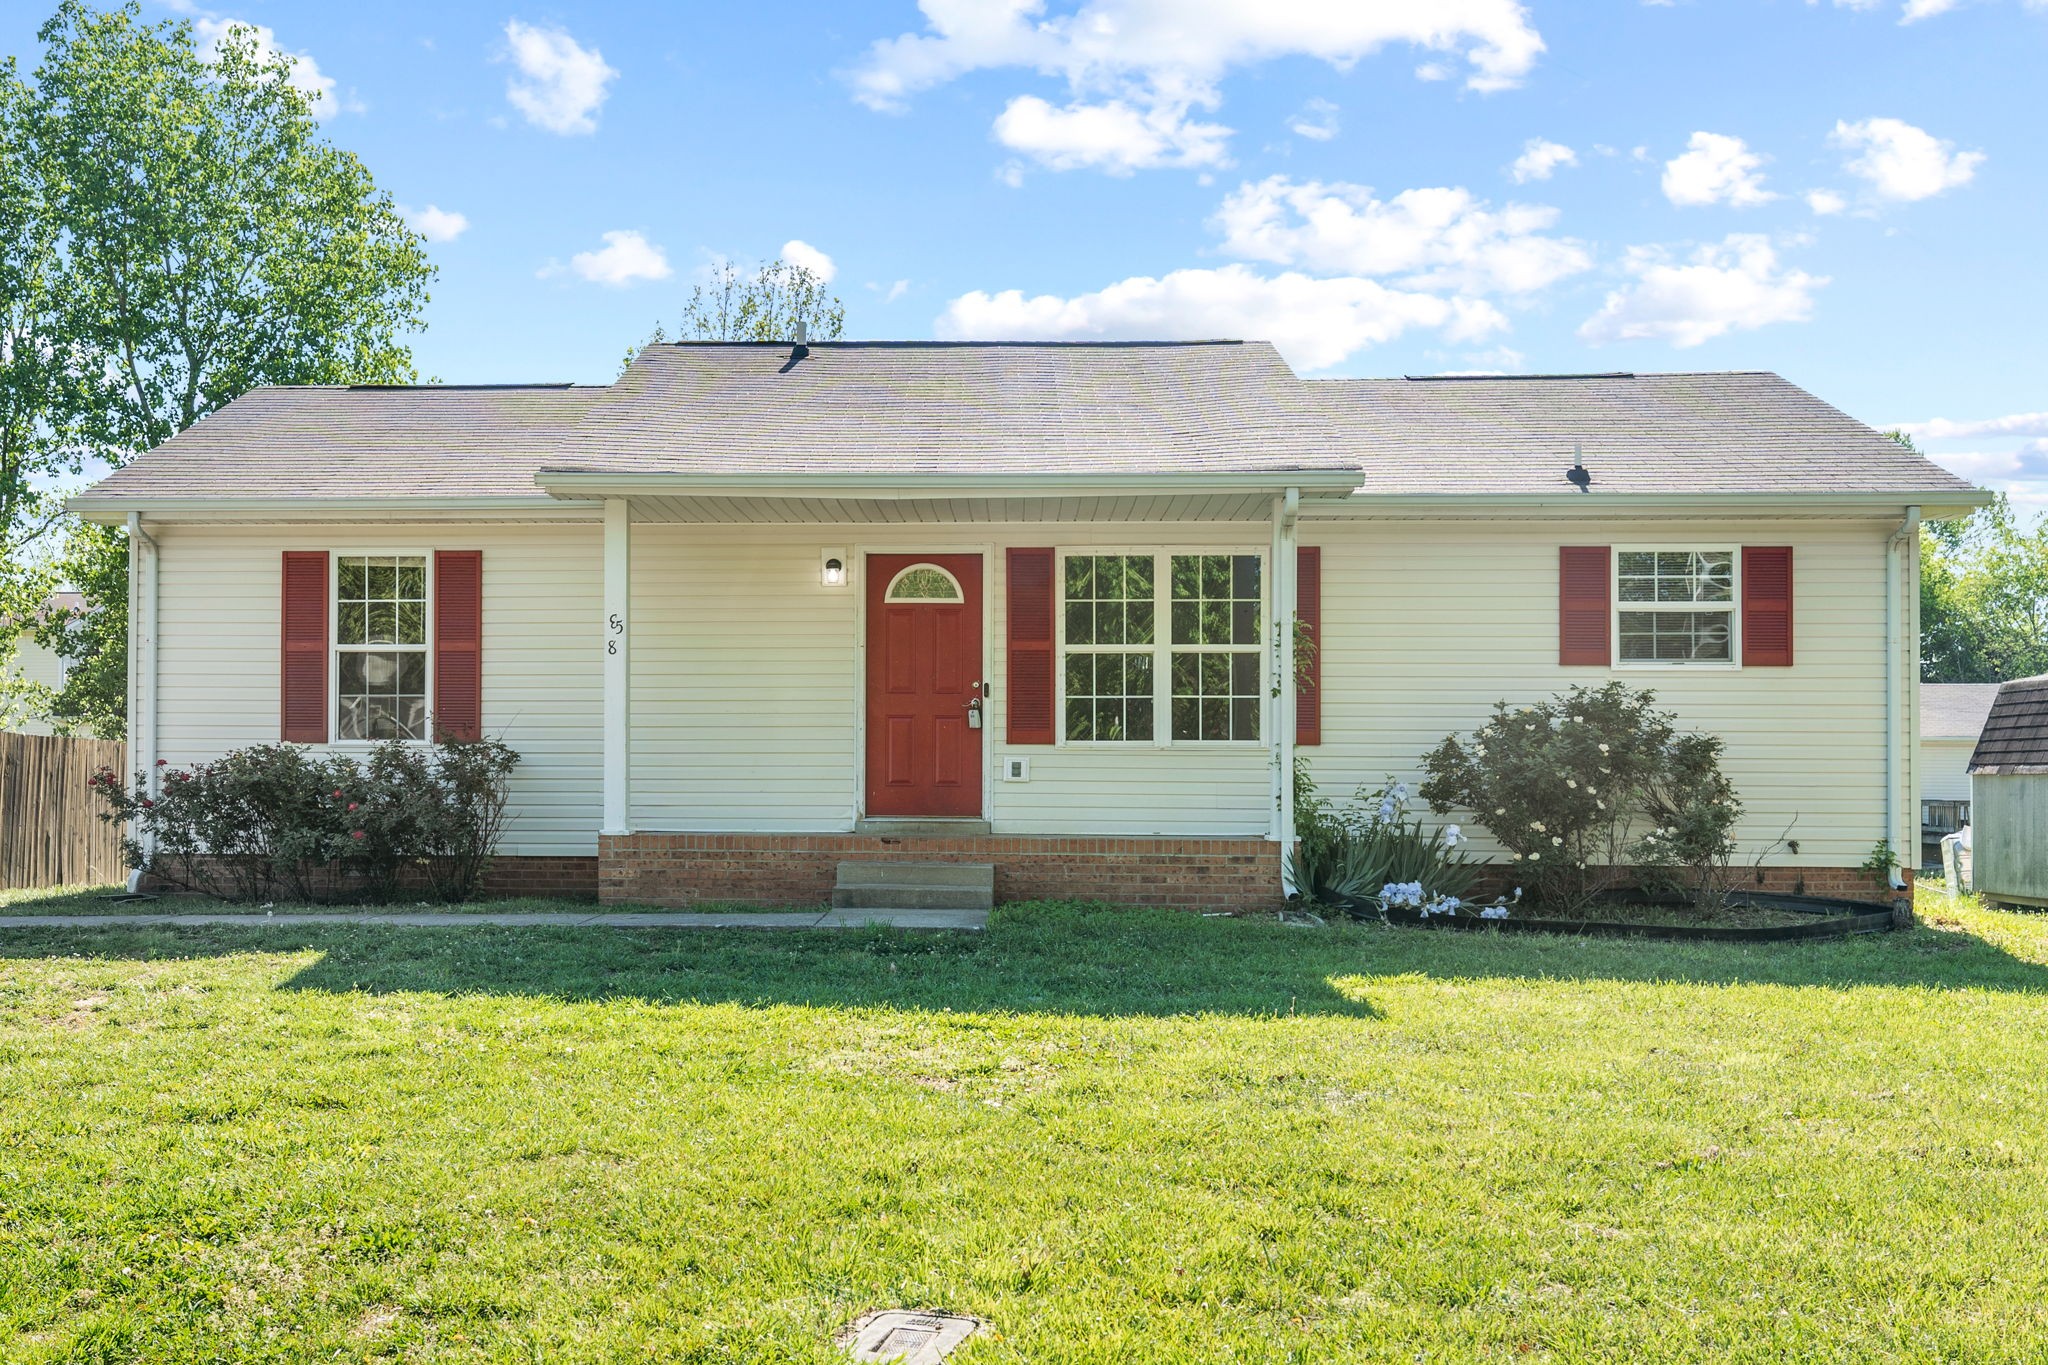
pixel 912 898
pixel 866 872
pixel 894 827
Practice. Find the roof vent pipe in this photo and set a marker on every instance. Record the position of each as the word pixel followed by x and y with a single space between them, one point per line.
pixel 1578 473
pixel 803 333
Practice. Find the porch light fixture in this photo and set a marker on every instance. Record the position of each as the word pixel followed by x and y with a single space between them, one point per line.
pixel 832 568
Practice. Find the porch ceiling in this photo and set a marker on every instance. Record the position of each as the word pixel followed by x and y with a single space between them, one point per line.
pixel 1212 506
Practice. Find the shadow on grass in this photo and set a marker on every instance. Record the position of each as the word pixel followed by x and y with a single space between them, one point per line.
pixel 1049 959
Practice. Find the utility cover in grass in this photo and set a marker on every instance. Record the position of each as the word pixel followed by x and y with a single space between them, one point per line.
pixel 907 1336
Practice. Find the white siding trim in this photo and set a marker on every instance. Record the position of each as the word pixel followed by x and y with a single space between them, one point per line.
pixel 617 635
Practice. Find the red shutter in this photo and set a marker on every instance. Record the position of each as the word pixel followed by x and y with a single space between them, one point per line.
pixel 1031 588
pixel 1767 606
pixel 1308 674
pixel 302 669
pixel 458 644
pixel 1584 581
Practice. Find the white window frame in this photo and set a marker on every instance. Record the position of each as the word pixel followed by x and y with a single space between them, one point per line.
pixel 1162 647
pixel 889 597
pixel 335 648
pixel 1734 607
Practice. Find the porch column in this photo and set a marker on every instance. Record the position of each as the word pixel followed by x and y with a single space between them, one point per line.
pixel 1286 509
pixel 618 569
pixel 143 572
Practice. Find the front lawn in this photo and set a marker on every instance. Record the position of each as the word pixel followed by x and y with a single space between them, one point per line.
pixel 1118 1136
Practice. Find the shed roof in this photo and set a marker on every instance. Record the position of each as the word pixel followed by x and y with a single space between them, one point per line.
pixel 1735 432
pixel 2015 738
pixel 1955 710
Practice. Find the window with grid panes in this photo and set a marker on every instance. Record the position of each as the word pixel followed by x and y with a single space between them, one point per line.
pixel 1215 667
pixel 1109 604
pixel 1675 606
pixel 380 640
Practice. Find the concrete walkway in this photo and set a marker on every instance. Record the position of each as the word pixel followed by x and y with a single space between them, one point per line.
pixel 643 919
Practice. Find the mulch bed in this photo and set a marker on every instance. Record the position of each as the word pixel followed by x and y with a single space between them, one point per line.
pixel 1818 917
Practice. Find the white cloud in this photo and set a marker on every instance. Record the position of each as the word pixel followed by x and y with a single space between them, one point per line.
pixel 1317 121
pixel 436 224
pixel 1944 429
pixel 625 258
pixel 1430 238
pixel 1824 202
pixel 1113 136
pixel 306 75
pixel 560 84
pixel 1916 10
pixel 1315 322
pixel 797 251
pixel 1540 159
pixel 1716 169
pixel 1903 163
pixel 1734 285
pixel 1143 64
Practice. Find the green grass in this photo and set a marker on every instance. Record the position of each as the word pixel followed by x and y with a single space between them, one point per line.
pixel 1119 1136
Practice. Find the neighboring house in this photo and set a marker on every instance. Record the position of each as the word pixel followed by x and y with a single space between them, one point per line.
pixel 2009 781
pixel 758 609
pixel 1951 717
pixel 37 664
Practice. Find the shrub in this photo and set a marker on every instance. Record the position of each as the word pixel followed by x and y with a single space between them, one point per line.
pixel 280 820
pixel 1564 783
pixel 1355 854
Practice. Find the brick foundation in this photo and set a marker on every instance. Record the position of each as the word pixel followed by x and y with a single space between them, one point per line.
pixel 575 878
pixel 799 869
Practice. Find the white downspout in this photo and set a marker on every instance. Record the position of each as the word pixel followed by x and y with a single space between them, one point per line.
pixel 1286 515
pixel 143 553
pixel 1901 684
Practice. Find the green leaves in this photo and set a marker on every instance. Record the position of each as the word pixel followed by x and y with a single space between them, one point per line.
pixel 1984 598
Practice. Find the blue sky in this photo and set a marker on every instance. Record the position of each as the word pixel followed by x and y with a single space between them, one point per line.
pixel 1852 194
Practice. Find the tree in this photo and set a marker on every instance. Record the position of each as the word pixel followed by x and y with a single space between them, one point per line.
pixel 41 391
pixel 210 241
pixel 763 305
pixel 1983 595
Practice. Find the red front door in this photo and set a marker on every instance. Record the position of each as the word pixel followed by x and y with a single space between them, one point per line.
pixel 924 671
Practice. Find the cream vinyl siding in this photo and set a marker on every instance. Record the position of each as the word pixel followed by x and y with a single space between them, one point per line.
pixel 746 681
pixel 218 657
pixel 1945 769
pixel 33 663
pixel 1426 625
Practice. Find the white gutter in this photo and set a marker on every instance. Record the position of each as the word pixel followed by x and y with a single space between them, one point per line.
pixel 112 511
pixel 143 553
pixel 1936 506
pixel 1901 676
pixel 795 484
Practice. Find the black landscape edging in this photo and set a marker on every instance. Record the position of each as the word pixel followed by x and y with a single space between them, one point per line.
pixel 1831 919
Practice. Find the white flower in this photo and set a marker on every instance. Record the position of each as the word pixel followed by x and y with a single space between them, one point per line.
pixel 1535 857
pixel 1500 810
pixel 1556 842
pixel 1601 804
pixel 1578 717
pixel 1452 834
pixel 1517 857
pixel 1603 749
pixel 1537 825
pixel 1528 727
pixel 1572 784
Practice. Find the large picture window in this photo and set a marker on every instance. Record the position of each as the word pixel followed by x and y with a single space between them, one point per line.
pixel 1675 606
pixel 1124 679
pixel 380 643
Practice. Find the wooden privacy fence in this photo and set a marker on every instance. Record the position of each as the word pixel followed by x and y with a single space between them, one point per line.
pixel 51 833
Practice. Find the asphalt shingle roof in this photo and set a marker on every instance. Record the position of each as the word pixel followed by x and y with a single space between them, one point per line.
pixel 1645 433
pixel 956 408
pixel 341 441
pixel 1955 710
pixel 2015 737
pixel 997 408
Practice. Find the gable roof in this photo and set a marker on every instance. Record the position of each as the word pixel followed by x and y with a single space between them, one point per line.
pixel 1638 433
pixel 2015 738
pixel 905 408
pixel 1955 710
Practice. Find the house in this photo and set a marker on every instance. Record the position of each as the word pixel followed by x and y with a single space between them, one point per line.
pixel 1951 717
pixel 36 663
pixel 756 610
pixel 2009 786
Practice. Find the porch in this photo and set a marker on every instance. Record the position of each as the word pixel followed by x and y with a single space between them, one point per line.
pixel 793 683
